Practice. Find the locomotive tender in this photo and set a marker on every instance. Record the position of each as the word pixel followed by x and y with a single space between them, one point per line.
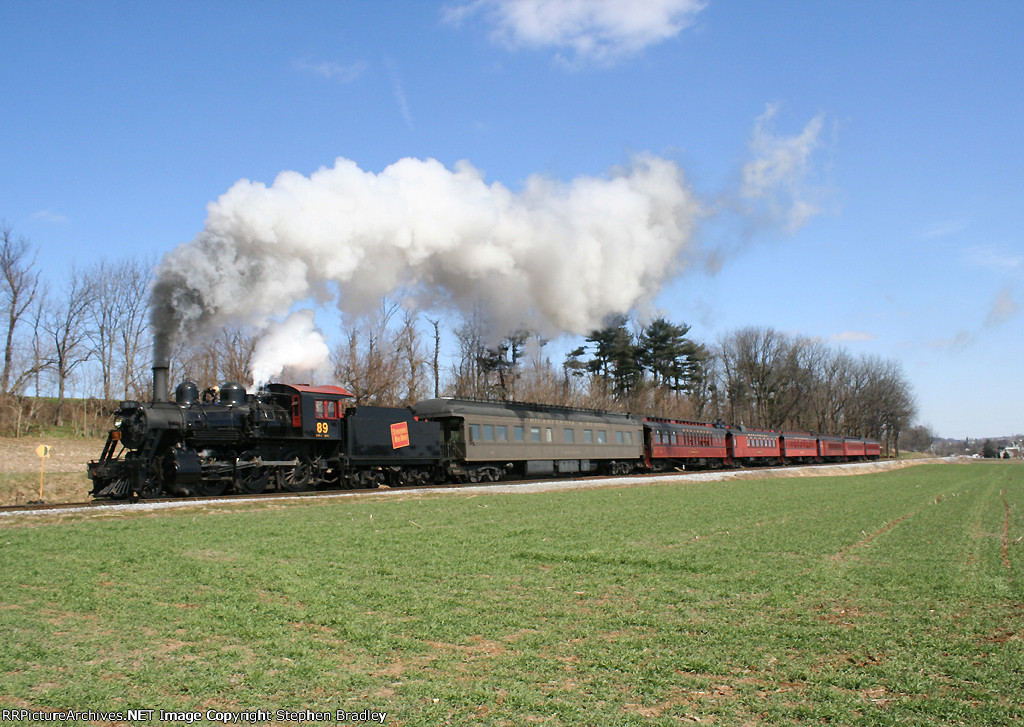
pixel 294 437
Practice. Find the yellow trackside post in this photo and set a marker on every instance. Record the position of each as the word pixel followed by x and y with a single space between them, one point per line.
pixel 43 451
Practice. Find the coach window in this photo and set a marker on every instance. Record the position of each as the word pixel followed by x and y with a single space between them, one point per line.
pixel 618 437
pixel 535 434
pixel 502 431
pixel 517 433
pixel 602 436
pixel 474 433
pixel 570 436
pixel 488 432
pixel 629 437
pixel 588 436
pixel 547 435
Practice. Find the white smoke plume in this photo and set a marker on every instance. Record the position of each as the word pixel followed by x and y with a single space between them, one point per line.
pixel 777 174
pixel 555 256
pixel 294 345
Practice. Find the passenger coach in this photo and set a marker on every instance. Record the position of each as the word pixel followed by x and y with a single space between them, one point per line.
pixel 489 440
pixel 760 446
pixel 670 443
pixel 798 447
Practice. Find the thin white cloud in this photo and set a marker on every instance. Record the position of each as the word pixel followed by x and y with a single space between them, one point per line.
pixel 992 257
pixel 50 216
pixel 591 31
pixel 1003 308
pixel 853 336
pixel 399 92
pixel 959 342
pixel 776 176
pixel 945 228
pixel 331 71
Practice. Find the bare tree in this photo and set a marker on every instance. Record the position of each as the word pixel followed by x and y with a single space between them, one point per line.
pixel 763 375
pixel 830 389
pixel 540 380
pixel 467 376
pixel 884 402
pixel 210 361
pixel 19 285
pixel 409 348
pixel 65 327
pixel 436 368
pixel 101 317
pixel 917 438
pixel 367 361
pixel 232 351
pixel 134 279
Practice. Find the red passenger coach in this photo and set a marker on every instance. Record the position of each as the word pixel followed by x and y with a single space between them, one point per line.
pixel 853 449
pixel 872 449
pixel 799 447
pixel 831 449
pixel 668 443
pixel 753 445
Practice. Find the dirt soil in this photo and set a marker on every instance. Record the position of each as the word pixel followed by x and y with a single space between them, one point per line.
pixel 64 478
pixel 66 455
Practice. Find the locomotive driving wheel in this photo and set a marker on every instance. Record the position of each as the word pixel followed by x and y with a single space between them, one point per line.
pixel 296 477
pixel 152 487
pixel 251 478
pixel 152 484
pixel 213 487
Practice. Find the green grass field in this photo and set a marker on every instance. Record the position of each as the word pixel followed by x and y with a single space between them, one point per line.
pixel 872 600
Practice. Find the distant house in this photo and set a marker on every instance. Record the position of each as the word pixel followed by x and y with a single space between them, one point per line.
pixel 1015 450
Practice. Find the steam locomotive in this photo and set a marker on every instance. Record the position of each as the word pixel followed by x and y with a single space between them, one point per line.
pixel 293 437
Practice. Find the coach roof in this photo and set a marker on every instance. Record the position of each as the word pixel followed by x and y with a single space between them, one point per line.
pixel 464 408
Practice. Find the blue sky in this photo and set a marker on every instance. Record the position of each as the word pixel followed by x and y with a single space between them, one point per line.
pixel 890 133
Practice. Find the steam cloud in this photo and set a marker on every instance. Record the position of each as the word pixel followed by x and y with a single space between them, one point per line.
pixel 555 256
pixel 294 344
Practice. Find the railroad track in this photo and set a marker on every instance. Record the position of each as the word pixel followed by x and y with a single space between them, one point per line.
pixel 162 502
pixel 524 485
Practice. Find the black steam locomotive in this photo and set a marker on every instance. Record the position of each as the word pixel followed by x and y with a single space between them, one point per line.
pixel 287 437
pixel 294 437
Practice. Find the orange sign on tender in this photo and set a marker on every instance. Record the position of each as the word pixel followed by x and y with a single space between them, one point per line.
pixel 399 435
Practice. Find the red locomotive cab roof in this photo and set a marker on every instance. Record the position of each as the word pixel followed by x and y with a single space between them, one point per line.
pixel 326 389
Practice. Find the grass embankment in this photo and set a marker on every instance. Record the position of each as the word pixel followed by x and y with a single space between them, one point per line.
pixel 885 599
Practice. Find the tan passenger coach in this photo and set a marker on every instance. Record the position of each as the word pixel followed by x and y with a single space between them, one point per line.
pixel 494 439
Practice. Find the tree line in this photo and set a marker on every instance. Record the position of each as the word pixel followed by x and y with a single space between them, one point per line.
pixel 92 333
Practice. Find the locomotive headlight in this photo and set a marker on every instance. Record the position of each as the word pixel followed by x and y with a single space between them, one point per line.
pixel 118 421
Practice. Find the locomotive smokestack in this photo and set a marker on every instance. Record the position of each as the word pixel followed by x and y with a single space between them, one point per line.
pixel 161 364
pixel 160 382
